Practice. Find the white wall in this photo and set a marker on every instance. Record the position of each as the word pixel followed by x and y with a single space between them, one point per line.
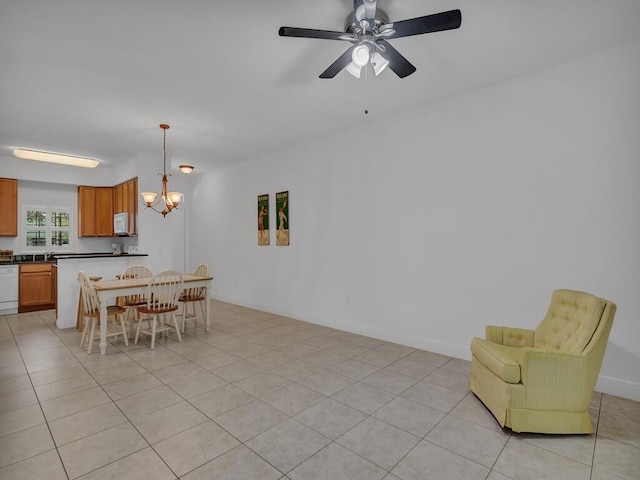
pixel 424 228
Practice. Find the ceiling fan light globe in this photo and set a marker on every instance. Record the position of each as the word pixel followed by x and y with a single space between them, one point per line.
pixel 360 55
pixel 354 69
pixel 379 63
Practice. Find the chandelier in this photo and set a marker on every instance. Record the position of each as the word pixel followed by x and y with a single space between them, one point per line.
pixel 170 200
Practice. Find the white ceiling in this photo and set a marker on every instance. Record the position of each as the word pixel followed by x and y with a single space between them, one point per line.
pixel 95 78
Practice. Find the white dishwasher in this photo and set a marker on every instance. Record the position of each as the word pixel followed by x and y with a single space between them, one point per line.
pixel 8 289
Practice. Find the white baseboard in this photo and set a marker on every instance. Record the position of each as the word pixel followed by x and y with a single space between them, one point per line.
pixel 618 387
pixel 379 333
pixel 608 385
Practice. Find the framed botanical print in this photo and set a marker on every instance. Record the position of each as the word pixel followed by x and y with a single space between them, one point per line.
pixel 263 219
pixel 282 219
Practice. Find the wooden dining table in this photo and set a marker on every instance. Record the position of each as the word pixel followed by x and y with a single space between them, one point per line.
pixel 110 289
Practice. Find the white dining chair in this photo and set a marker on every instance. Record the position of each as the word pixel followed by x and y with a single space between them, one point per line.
pixel 193 296
pixel 91 315
pixel 130 302
pixel 162 296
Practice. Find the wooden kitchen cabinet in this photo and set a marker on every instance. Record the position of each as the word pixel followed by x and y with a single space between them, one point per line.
pixel 104 211
pixel 86 211
pixel 9 202
pixel 131 191
pixel 36 287
pixel 126 200
pixel 118 199
pixel 95 211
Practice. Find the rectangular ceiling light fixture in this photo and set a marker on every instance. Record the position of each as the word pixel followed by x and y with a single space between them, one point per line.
pixel 56 158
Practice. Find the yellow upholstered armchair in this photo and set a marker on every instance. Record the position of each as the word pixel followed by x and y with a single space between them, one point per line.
pixel 542 380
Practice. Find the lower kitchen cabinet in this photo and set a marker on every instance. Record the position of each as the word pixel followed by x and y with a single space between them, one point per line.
pixel 37 287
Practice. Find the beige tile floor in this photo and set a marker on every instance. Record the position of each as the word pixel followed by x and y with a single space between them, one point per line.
pixel 265 397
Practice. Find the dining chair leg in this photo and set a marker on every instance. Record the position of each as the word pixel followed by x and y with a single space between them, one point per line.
pixel 153 332
pixel 135 341
pixel 175 323
pixel 91 336
pixel 124 330
pixel 85 331
pixel 129 321
pixel 186 314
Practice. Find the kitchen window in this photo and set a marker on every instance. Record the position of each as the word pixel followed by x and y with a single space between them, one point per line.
pixel 46 228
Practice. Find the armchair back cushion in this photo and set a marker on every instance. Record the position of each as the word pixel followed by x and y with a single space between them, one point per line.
pixel 570 322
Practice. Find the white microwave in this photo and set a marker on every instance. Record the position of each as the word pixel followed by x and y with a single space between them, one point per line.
pixel 121 224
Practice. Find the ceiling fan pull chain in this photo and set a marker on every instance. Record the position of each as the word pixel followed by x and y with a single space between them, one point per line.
pixel 366 84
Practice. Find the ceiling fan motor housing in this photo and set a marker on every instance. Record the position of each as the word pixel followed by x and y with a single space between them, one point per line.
pixel 352 24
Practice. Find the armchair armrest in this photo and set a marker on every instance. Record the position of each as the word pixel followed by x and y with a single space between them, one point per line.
pixel 557 380
pixel 510 336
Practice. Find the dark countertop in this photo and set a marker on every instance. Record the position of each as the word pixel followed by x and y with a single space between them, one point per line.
pixel 39 257
pixel 68 256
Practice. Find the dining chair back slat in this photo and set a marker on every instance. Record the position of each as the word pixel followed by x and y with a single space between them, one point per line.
pixel 135 271
pixel 163 291
pixel 130 302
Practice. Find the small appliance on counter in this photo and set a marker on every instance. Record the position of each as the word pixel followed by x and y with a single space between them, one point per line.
pixel 6 255
pixel 116 248
pixel 132 250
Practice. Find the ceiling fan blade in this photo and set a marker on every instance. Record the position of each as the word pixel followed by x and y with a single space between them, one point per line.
pixel 311 33
pixel 397 62
pixel 429 23
pixel 335 68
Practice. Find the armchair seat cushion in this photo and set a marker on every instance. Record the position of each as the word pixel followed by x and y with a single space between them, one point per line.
pixel 502 360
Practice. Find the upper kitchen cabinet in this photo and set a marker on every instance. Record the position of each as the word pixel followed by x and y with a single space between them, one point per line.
pixel 118 195
pixel 9 202
pixel 132 204
pixel 95 211
pixel 86 211
pixel 126 200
